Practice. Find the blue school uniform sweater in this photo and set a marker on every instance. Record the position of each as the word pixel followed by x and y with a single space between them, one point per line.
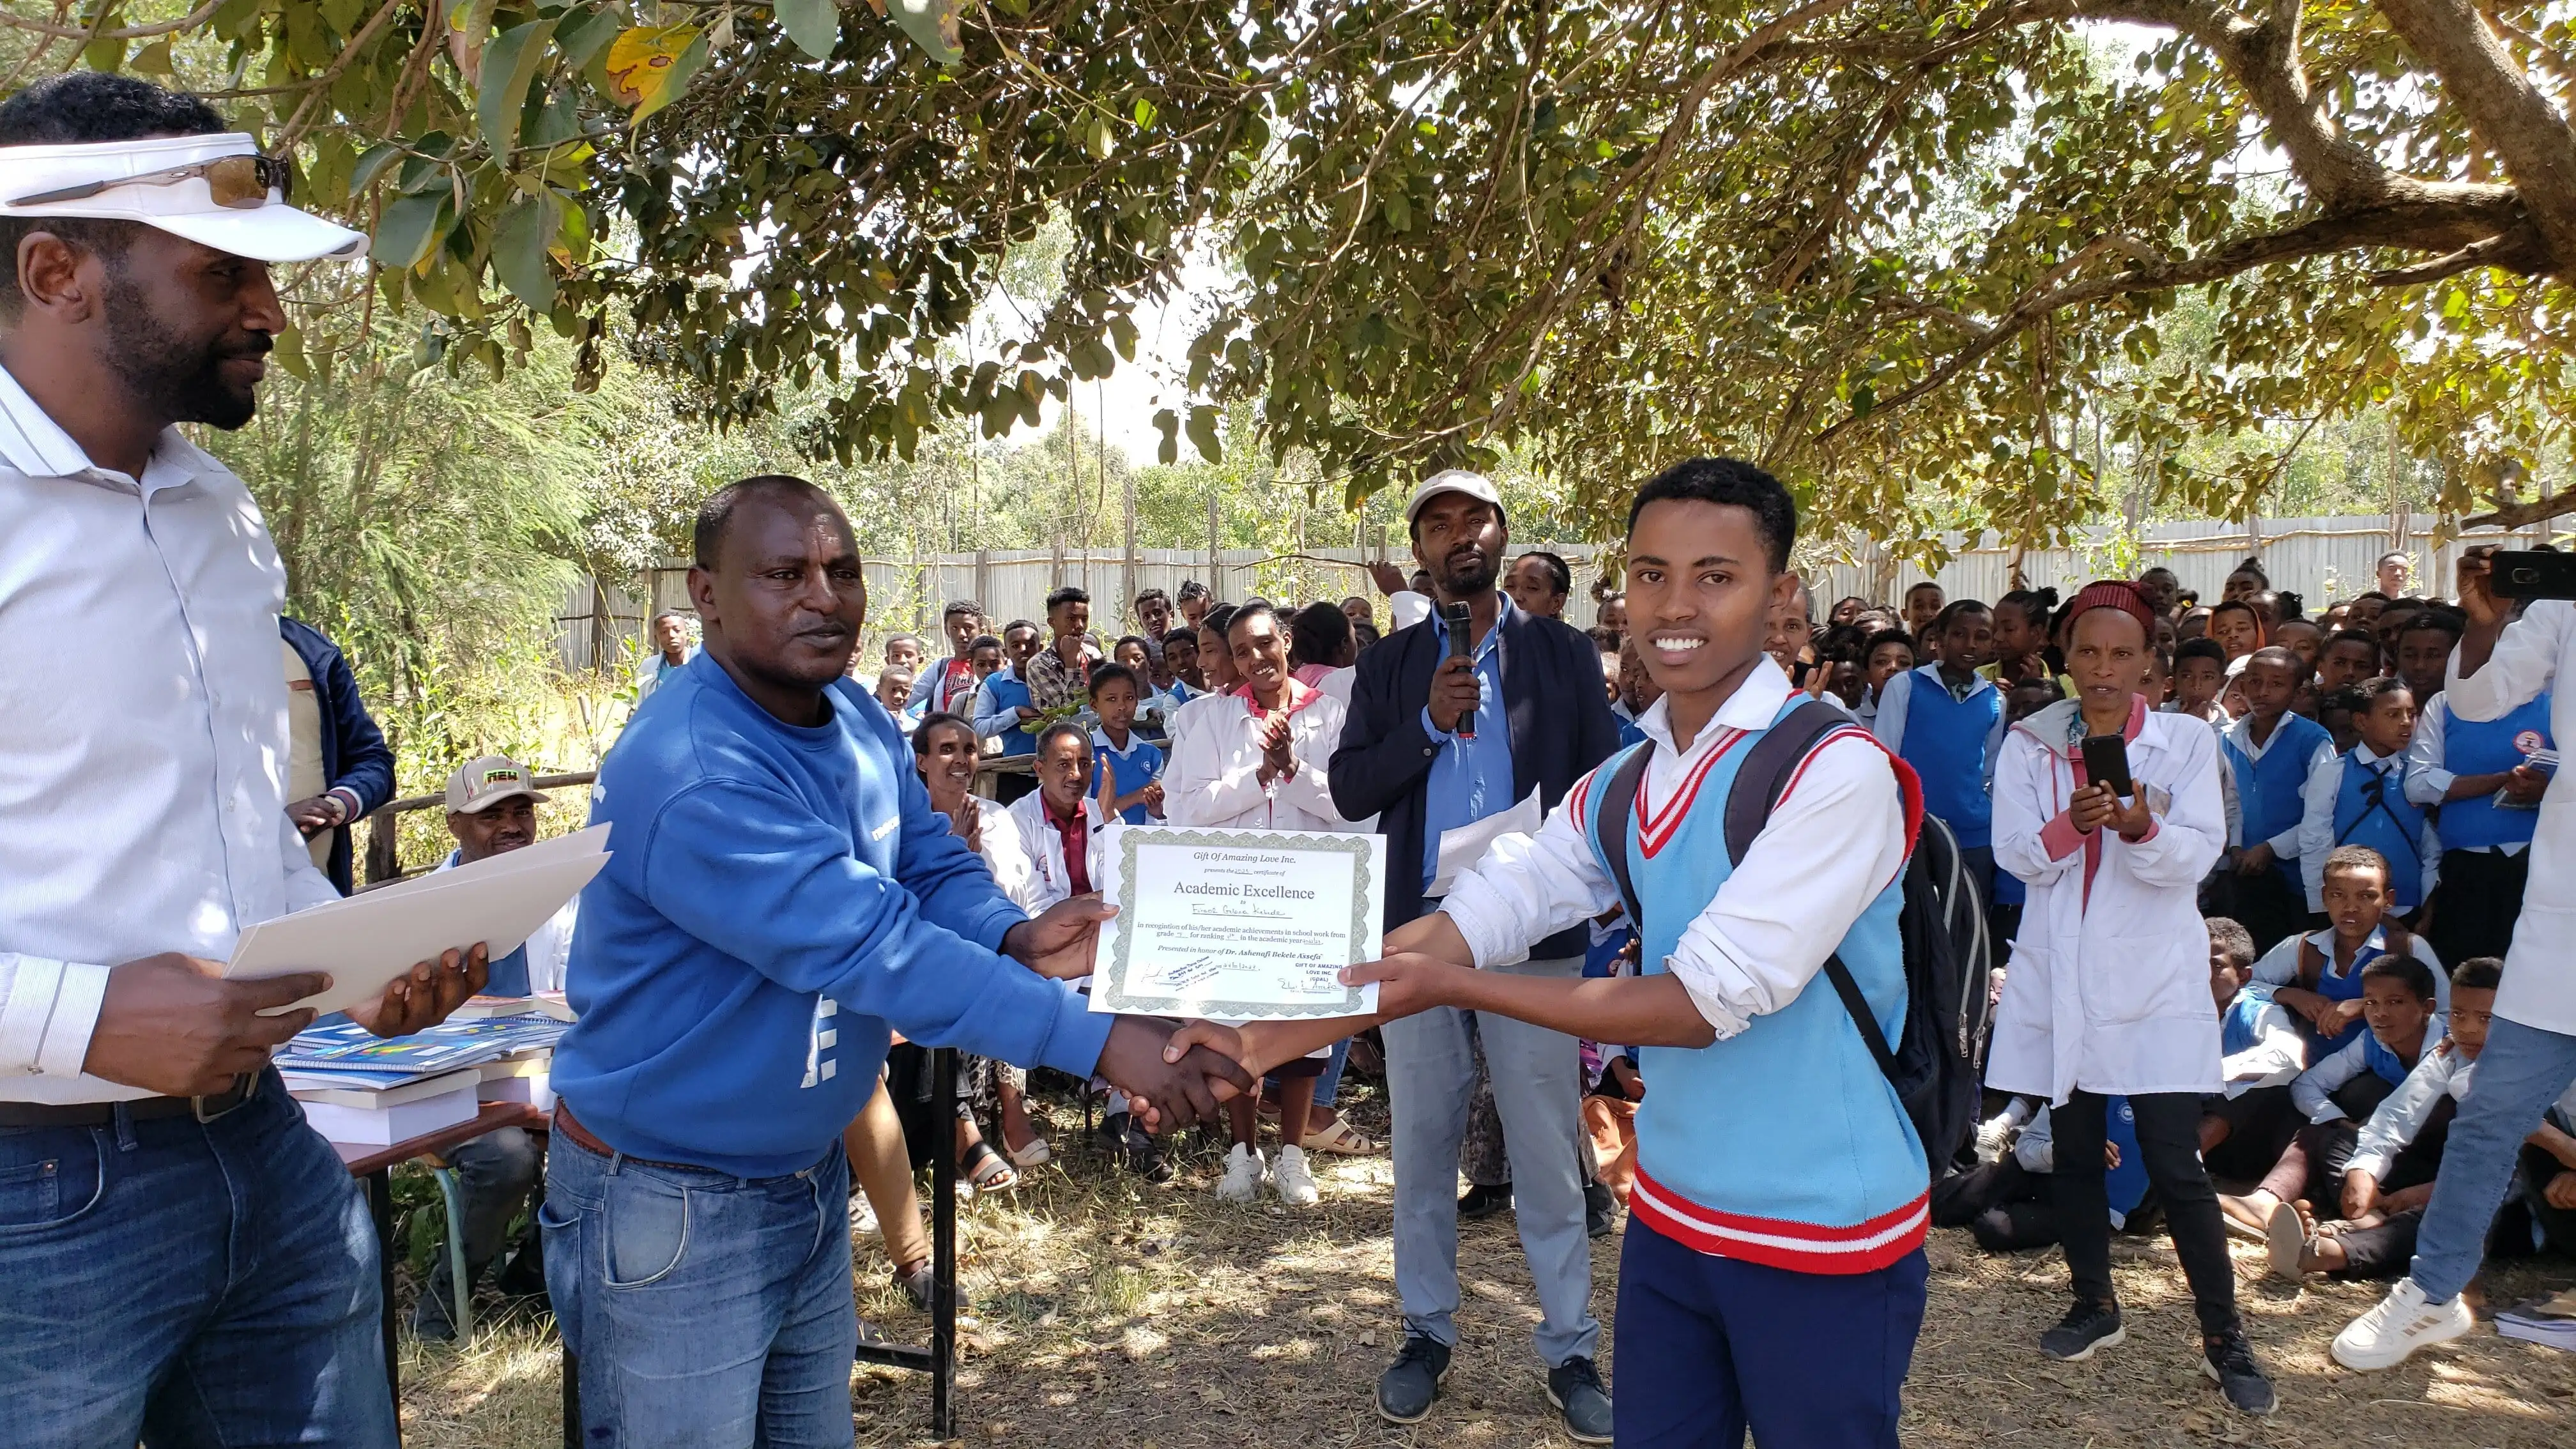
pixel 1137 766
pixel 2487 747
pixel 1946 741
pixel 1784 1144
pixel 775 897
pixel 2371 809
pixel 1009 692
pixel 2268 789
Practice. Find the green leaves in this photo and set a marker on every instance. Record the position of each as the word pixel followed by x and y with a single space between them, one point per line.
pixel 1203 434
pixel 815 25
pixel 509 64
pixel 519 246
pixel 407 232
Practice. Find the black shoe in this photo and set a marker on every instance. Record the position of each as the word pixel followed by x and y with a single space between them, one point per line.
pixel 1144 1155
pixel 1574 1386
pixel 1406 1389
pixel 2230 1361
pixel 1482 1202
pixel 1600 1211
pixel 917 1286
pixel 2086 1327
pixel 431 1320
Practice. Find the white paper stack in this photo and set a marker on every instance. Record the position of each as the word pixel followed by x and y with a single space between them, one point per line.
pixel 528 1079
pixel 372 938
pixel 380 1119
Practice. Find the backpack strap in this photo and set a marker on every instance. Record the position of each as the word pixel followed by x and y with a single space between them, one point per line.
pixel 1618 805
pixel 2312 964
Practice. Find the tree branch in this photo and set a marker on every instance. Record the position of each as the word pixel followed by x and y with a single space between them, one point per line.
pixel 189 21
pixel 2503 107
pixel 2523 515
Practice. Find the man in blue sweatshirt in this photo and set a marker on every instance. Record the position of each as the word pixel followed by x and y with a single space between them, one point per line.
pixel 779 893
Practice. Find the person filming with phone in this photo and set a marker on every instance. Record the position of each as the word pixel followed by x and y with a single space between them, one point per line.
pixel 2502 663
pixel 2110 812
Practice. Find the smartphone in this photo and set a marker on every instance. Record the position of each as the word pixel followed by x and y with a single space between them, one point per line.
pixel 2106 762
pixel 2532 574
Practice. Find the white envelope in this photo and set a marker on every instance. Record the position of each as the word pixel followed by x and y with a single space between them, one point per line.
pixel 1461 848
pixel 367 941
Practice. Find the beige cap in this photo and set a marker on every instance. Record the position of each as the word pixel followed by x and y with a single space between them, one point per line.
pixel 480 784
pixel 1453 480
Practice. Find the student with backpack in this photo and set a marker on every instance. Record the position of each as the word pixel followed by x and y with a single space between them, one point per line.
pixel 2109 989
pixel 1773 1276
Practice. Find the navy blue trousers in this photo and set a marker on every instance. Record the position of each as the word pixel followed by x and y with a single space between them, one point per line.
pixel 1709 1347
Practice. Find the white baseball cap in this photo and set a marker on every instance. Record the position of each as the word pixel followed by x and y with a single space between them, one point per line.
pixel 1452 480
pixel 174 183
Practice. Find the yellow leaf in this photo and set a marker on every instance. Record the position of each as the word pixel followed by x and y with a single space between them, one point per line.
pixel 644 64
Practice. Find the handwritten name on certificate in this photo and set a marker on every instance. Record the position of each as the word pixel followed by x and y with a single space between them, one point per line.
pixel 1240 925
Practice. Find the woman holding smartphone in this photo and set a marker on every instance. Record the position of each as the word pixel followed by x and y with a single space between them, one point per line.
pixel 2108 992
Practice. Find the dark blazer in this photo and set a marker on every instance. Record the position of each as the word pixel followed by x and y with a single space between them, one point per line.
pixel 354 753
pixel 1555 705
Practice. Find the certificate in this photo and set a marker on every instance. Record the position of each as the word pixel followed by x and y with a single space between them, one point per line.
pixel 1240 925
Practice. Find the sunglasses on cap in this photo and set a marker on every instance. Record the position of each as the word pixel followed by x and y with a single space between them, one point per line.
pixel 235 181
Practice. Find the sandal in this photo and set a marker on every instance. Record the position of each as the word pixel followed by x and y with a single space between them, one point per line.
pixel 1343 1139
pixel 986 1171
pixel 1033 1153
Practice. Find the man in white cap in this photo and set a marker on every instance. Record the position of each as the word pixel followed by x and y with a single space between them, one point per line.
pixel 182 1260
pixel 492 810
pixel 1438 740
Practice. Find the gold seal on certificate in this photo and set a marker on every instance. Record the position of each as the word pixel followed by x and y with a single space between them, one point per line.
pixel 1240 925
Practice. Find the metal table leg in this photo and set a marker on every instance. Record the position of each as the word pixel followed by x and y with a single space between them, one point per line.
pixel 380 1205
pixel 940 1359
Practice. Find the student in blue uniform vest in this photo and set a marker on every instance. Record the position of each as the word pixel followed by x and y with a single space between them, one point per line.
pixel 2359 798
pixel 1773 1274
pixel 1005 708
pixel 779 896
pixel 2109 992
pixel 2271 752
pixel 2248 1120
pixel 1126 767
pixel 2316 977
pixel 1947 721
pixel 2483 777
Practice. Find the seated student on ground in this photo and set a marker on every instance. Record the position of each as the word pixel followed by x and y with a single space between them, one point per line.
pixel 2249 1119
pixel 2007 1205
pixel 491 810
pixel 2390 1176
pixel 2344 1088
pixel 2359 798
pixel 1127 769
pixel 1947 721
pixel 2480 775
pixel 1773 1273
pixel 2316 977
pixel 2271 753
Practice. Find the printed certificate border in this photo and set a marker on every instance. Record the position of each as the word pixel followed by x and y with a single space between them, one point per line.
pixel 1109 989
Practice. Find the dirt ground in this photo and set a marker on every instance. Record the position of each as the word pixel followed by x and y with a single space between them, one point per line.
pixel 1103 1311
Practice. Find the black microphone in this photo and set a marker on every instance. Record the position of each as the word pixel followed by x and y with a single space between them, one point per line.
pixel 1455 616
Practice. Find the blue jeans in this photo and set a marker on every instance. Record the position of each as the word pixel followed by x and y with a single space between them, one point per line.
pixel 708 1311
pixel 184 1284
pixel 2522 1070
pixel 1537 1077
pixel 1709 1347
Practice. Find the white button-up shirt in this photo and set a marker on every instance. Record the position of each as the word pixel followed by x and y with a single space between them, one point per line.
pixel 143 735
pixel 1831 845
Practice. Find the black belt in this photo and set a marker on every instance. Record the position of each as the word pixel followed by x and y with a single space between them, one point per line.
pixel 145 1109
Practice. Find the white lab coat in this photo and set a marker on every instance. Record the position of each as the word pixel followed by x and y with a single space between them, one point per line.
pixel 1026 853
pixel 2539 987
pixel 1213 779
pixel 2110 994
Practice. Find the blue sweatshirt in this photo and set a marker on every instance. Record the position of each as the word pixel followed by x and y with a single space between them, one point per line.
pixel 774 898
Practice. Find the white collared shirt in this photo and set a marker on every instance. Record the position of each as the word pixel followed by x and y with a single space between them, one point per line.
pixel 1831 845
pixel 143 734
pixel 1026 852
pixel 2240 733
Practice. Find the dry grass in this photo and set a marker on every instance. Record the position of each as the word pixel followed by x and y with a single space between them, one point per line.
pixel 1107 1312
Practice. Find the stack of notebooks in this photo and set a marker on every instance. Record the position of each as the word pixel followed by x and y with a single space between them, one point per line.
pixel 360 1088
pixel 2551 1321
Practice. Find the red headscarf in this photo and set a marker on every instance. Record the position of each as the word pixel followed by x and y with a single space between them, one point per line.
pixel 2117 594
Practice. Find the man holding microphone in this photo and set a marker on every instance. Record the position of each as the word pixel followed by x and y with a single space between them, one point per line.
pixel 182 1260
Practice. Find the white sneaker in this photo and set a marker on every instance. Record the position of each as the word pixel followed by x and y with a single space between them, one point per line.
pixel 1291 1180
pixel 2398 1325
pixel 1242 1175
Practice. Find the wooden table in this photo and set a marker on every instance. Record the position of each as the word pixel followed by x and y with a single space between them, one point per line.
pixel 375 1166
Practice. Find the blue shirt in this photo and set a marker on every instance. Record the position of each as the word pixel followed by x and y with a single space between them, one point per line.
pixel 776 898
pixel 1470 778
pixel 1138 765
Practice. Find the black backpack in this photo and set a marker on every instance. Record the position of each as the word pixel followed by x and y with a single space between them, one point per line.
pixel 1943 923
